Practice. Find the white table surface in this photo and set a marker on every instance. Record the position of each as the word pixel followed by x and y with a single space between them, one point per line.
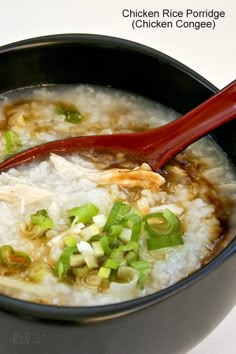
pixel 211 53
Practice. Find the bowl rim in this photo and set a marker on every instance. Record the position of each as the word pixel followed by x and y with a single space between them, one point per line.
pixel 89 314
pixel 115 42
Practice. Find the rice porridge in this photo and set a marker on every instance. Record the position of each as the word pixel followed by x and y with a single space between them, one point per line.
pixel 90 229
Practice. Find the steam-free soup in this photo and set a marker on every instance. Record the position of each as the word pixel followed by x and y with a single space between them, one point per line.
pixel 95 229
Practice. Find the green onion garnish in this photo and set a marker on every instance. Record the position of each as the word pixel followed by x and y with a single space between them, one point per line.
pixel 72 115
pixel 71 241
pixel 118 212
pixel 42 219
pixel 63 264
pixel 131 246
pixel 143 267
pixel 162 223
pixel 134 221
pixel 104 272
pixel 117 246
pixel 132 251
pixel 104 241
pixel 84 213
pixel 112 263
pixel 131 257
pixel 164 230
pixel 9 257
pixel 117 253
pixel 115 231
pixel 164 241
pixel 39 271
pixel 13 141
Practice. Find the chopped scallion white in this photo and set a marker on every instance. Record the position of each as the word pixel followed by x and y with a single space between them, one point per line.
pixel 125 235
pixel 100 220
pixel 89 231
pixel 91 261
pixel 85 248
pixel 77 260
pixel 97 248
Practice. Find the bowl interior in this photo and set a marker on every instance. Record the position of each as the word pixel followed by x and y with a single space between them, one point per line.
pixel 68 59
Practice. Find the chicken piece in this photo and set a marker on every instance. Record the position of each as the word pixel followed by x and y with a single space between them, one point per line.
pixel 22 193
pixel 11 284
pixel 141 176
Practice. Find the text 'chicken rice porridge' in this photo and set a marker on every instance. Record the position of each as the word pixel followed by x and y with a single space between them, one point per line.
pixel 93 229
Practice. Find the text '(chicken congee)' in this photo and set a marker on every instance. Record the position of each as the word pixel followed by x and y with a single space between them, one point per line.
pixel 172 18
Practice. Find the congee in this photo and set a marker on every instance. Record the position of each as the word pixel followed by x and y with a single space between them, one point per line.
pixel 93 229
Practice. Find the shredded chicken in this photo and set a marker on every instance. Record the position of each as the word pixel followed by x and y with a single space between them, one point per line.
pixel 138 177
pixel 20 285
pixel 141 176
pixel 22 193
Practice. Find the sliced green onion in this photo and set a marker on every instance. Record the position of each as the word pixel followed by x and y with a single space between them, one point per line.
pixel 115 230
pixel 142 278
pixel 131 246
pixel 97 249
pixel 79 272
pixel 118 212
pixel 60 270
pixel 112 263
pixel 71 241
pixel 162 223
pixel 143 267
pixel 132 249
pixel 91 261
pixel 89 231
pixel 158 242
pixel 117 253
pixel 63 263
pixel 99 220
pixel 125 281
pixel 12 141
pixel 104 272
pixel 164 230
pixel 125 235
pixel 77 260
pixel 72 115
pixel 131 257
pixel 113 242
pixel 113 274
pixel 104 241
pixel 164 241
pixel 39 271
pixel 84 213
pixel 95 238
pixel 9 257
pixel 134 221
pixel 126 253
pixel 42 219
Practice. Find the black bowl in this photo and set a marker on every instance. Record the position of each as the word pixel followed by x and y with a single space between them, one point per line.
pixel 172 320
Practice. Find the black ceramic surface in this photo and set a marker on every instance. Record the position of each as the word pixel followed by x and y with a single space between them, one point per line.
pixel 170 321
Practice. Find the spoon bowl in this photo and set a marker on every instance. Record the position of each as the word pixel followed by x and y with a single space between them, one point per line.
pixel 155 146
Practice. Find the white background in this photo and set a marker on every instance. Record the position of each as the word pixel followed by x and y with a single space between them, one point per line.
pixel 211 53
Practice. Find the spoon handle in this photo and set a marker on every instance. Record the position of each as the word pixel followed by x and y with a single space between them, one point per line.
pixel 175 136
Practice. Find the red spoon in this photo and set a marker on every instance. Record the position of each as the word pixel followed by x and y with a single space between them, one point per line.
pixel 155 146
